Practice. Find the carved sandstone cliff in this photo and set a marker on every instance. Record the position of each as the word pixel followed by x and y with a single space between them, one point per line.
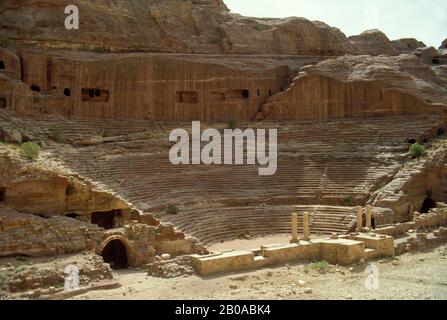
pixel 360 86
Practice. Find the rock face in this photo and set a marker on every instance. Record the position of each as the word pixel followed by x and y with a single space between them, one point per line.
pixel 407 45
pixel 179 26
pixel 359 86
pixel 414 183
pixel 443 45
pixel 372 42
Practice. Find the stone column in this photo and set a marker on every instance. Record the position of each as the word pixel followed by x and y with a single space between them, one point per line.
pixel 359 219
pixel 306 230
pixel 294 228
pixel 369 217
pixel 411 209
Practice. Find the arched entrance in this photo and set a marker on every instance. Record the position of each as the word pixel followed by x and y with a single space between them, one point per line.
pixel 115 254
pixel 428 204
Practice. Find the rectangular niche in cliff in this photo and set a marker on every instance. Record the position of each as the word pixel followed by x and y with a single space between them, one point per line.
pixel 187 97
pixel 238 94
pixel 106 220
pixel 94 95
pixel 2 194
pixel 3 103
pixel 218 96
pixel 2 65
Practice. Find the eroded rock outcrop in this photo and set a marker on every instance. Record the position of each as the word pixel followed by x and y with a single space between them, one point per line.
pixel 407 45
pixel 165 26
pixel 443 45
pixel 416 181
pixel 372 42
pixel 360 86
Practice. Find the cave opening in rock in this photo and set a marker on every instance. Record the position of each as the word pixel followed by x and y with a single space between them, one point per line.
pixel 258 92
pixel 411 141
pixel 2 103
pixel 105 220
pixel 436 61
pixel 72 215
pixel 94 95
pixel 427 205
pixel 67 92
pixel 245 94
pixel 2 194
pixel 373 223
pixel 35 88
pixel 115 254
pixel 2 65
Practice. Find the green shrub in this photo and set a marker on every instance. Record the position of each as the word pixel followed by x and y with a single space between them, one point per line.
pixel 417 150
pixel 22 258
pixel 56 135
pixel 348 201
pixel 5 42
pixel 232 124
pixel 29 150
pixel 321 266
pixel 261 27
pixel 99 49
pixel 172 209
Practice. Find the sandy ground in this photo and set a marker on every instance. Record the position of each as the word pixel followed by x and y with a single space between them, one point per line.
pixel 422 275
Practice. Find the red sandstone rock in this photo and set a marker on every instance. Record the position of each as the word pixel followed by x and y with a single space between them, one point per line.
pixel 165 26
pixel 407 45
pixel 372 42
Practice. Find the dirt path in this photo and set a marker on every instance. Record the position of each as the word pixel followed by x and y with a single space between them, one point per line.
pixel 410 276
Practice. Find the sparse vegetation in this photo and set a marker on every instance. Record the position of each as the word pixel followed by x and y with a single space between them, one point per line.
pixel 321 266
pixel 348 201
pixel 417 150
pixel 56 134
pixel 232 124
pixel 100 49
pixel 172 209
pixel 29 150
pixel 22 258
pixel 261 27
pixel 59 285
pixel 5 42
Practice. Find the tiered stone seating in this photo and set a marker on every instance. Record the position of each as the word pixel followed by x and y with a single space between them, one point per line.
pixel 324 167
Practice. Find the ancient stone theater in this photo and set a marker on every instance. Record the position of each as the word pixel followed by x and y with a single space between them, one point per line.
pixel 85 118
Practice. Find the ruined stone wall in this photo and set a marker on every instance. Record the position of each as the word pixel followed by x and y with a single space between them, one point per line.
pixel 29 235
pixel 418 180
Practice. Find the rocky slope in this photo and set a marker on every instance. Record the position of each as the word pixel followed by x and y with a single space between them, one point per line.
pixel 179 26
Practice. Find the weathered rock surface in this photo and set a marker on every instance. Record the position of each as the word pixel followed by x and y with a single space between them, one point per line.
pixel 165 26
pixel 372 42
pixel 443 45
pixel 407 45
pixel 359 86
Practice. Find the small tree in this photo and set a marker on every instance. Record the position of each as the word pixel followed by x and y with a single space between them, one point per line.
pixel 29 150
pixel 56 134
pixel 417 150
pixel 172 209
